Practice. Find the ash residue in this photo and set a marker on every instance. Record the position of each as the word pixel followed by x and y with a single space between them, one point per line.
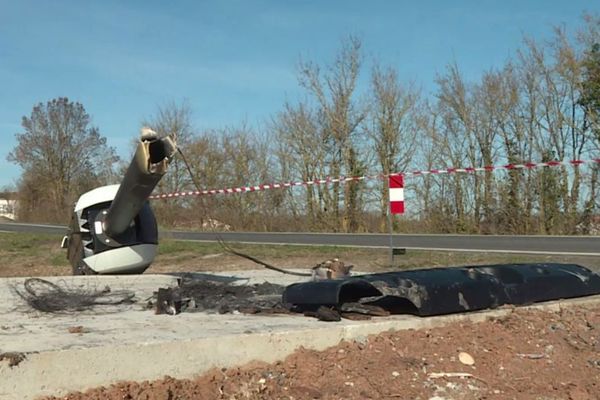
pixel 13 358
pixel 202 295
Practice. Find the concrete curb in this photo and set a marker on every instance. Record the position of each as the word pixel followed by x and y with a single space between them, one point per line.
pixel 187 345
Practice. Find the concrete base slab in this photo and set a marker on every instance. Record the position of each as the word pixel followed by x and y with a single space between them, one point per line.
pixel 132 343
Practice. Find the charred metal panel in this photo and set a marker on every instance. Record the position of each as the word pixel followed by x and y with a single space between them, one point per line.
pixel 439 291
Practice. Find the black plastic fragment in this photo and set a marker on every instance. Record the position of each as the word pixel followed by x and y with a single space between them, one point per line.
pixel 324 314
pixel 168 301
pixel 439 291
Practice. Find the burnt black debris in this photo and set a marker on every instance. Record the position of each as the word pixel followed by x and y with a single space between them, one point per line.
pixel 13 358
pixel 438 291
pixel 424 292
pixel 168 301
pixel 195 295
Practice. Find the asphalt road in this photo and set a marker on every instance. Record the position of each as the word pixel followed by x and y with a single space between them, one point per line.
pixel 567 245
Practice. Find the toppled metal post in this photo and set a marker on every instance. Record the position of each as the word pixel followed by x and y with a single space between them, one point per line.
pixel 149 164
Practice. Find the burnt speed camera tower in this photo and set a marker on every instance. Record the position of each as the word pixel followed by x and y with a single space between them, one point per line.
pixel 113 229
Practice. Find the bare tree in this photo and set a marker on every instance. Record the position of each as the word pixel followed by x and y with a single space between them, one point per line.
pixel 589 100
pixel 456 145
pixel 560 132
pixel 393 127
pixel 301 156
pixel 514 203
pixel 61 155
pixel 339 117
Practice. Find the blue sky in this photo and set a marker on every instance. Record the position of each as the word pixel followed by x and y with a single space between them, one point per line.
pixel 235 61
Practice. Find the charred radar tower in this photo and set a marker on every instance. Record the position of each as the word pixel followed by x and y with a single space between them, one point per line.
pixel 113 229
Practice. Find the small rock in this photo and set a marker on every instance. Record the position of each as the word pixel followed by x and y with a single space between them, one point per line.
pixel 77 329
pixel 361 339
pixel 557 327
pixel 466 358
pixel 395 374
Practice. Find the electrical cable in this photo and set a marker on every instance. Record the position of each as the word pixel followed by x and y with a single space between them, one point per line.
pixel 224 245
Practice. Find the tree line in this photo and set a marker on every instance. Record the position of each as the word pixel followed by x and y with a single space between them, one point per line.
pixel 543 104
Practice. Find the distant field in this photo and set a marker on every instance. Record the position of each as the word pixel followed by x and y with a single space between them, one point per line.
pixel 26 254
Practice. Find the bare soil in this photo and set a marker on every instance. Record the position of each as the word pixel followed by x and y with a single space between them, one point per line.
pixel 527 355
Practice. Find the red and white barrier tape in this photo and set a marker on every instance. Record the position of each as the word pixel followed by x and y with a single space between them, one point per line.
pixel 343 179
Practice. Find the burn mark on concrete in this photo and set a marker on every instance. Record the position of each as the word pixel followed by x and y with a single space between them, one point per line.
pixel 13 358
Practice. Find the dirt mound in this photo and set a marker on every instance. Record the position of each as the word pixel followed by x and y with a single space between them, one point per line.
pixel 527 355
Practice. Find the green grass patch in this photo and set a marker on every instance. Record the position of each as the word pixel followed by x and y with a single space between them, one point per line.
pixel 44 249
pixel 19 251
pixel 28 243
pixel 59 259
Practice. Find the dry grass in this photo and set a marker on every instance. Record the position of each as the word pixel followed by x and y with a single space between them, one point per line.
pixel 25 254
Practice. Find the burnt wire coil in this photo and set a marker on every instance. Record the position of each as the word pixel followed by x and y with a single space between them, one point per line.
pixel 49 297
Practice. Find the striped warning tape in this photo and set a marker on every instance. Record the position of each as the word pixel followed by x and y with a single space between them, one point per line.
pixel 343 179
